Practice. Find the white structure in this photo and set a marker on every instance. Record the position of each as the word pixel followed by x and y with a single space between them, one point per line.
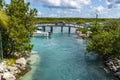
pixel 40 33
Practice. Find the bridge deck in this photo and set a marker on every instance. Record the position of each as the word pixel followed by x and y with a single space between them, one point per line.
pixel 59 24
pixel 54 25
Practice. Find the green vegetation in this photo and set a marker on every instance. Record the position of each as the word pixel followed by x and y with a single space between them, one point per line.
pixel 10 62
pixel 96 29
pixel 16 38
pixel 2 2
pixel 72 20
pixel 4 19
pixel 105 40
pixel 83 30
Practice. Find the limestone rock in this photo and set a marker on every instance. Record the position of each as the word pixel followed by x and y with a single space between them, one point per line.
pixel 13 70
pixel 3 67
pixel 8 76
pixel 21 61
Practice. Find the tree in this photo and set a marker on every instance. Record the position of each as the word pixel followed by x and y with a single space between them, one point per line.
pixel 21 28
pixel 3 19
pixel 96 29
pixel 2 2
pixel 106 42
pixel 3 25
pixel 112 24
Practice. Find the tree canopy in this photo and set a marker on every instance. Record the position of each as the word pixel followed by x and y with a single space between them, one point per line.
pixel 4 19
pixel 2 2
pixel 105 41
pixel 16 39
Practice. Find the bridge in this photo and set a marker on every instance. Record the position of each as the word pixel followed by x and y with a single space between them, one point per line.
pixel 58 24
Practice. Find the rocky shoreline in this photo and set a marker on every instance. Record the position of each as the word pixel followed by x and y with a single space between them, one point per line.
pixel 81 35
pixel 112 66
pixel 15 71
pixel 23 72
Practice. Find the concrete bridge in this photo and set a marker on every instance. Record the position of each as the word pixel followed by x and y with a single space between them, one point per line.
pixel 58 24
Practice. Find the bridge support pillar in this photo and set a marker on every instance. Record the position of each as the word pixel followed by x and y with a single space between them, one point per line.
pixel 43 28
pixel 51 28
pixel 69 29
pixel 61 28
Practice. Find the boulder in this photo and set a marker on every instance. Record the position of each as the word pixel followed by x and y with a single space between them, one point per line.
pixel 1 75
pixel 8 76
pixel 13 70
pixel 114 68
pixel 21 61
pixel 117 74
pixel 3 67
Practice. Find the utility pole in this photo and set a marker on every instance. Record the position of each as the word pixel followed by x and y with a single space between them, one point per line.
pixel 96 18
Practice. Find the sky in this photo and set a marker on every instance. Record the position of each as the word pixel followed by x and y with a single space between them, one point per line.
pixel 76 8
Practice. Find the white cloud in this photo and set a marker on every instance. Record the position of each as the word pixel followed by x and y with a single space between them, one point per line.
pixel 61 8
pixel 64 12
pixel 101 9
pixel 39 13
pixel 113 3
pixel 69 4
pixel 66 7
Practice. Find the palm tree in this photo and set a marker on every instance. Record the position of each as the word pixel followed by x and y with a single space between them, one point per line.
pixel 3 24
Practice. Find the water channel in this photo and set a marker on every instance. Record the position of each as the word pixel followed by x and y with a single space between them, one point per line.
pixel 62 57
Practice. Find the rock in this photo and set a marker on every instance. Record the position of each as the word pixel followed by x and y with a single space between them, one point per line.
pixel 3 67
pixel 1 75
pixel 21 61
pixel 106 70
pixel 13 70
pixel 10 72
pixel 8 76
pixel 117 74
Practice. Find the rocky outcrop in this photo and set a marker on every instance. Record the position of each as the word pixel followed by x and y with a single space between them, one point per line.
pixel 80 34
pixel 8 76
pixel 12 72
pixel 113 65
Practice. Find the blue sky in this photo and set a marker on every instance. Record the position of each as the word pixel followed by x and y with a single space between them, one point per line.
pixel 76 8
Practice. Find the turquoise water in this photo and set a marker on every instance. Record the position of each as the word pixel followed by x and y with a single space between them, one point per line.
pixel 62 57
